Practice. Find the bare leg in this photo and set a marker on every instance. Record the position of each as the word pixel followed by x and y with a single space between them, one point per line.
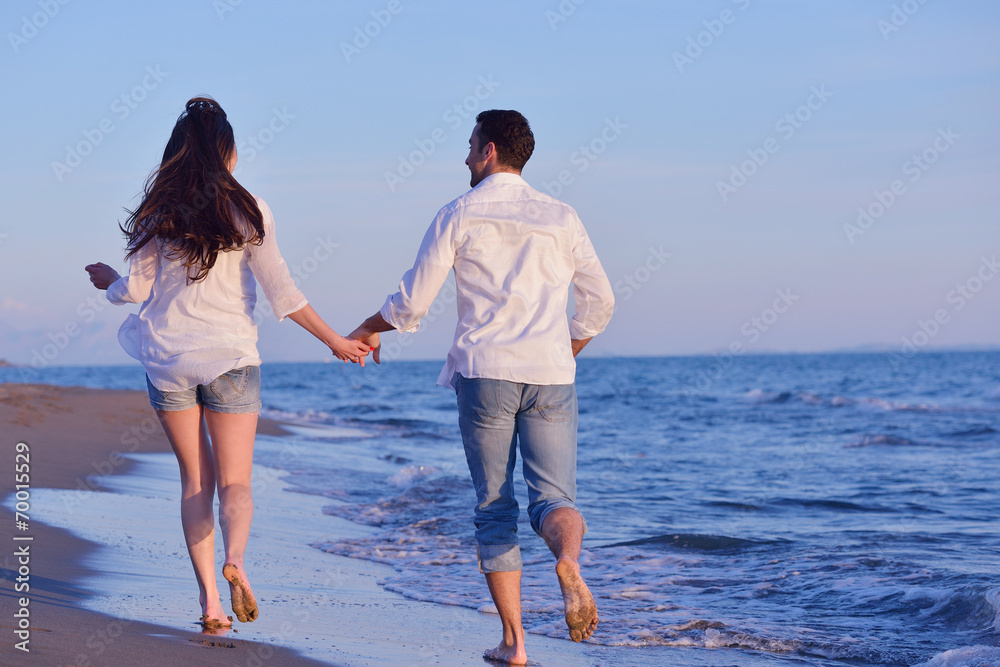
pixel 232 443
pixel 563 532
pixel 189 440
pixel 505 587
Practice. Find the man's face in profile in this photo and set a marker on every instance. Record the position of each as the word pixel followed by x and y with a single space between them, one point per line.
pixel 476 160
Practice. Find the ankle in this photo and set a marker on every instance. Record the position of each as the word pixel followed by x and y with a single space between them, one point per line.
pixel 513 635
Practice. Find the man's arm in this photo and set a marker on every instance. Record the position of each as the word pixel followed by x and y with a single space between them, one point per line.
pixel 417 289
pixel 368 333
pixel 592 293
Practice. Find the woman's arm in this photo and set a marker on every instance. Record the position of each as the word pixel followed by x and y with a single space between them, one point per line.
pixel 342 348
pixel 133 288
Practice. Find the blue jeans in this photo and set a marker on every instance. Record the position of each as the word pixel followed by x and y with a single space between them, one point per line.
pixel 234 392
pixel 496 416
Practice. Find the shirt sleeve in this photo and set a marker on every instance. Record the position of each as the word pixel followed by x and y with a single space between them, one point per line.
pixel 420 285
pixel 592 293
pixel 137 285
pixel 271 272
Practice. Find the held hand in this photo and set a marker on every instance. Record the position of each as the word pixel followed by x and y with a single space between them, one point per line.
pixel 371 340
pixel 101 275
pixel 347 349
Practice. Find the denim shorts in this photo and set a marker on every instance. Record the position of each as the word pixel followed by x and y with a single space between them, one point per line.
pixel 235 392
pixel 498 417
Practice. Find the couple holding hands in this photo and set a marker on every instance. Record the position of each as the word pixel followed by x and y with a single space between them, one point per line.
pixel 197 245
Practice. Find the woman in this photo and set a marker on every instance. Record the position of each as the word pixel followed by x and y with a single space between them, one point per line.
pixel 196 243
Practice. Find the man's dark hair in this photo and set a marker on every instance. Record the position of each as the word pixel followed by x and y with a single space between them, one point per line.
pixel 510 133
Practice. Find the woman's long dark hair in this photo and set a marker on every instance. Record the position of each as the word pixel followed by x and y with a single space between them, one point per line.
pixel 191 201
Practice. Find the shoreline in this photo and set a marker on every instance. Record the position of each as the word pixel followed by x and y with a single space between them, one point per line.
pixel 114 541
pixel 64 456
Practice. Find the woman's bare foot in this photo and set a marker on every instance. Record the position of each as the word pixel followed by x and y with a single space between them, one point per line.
pixel 213 623
pixel 581 611
pixel 244 603
pixel 508 655
pixel 212 614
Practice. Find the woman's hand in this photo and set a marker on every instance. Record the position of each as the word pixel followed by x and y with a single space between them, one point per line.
pixel 101 275
pixel 348 349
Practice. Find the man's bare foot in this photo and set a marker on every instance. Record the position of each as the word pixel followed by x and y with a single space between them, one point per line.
pixel 581 611
pixel 508 655
pixel 244 603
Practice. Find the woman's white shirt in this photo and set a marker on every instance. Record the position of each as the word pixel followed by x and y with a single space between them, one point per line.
pixel 187 334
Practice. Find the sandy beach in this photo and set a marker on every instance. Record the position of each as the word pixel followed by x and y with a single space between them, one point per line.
pixel 76 437
pixel 111 584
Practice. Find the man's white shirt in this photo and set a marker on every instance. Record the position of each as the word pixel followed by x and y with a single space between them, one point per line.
pixel 515 252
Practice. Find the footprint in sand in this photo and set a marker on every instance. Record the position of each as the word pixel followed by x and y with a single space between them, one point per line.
pixel 244 603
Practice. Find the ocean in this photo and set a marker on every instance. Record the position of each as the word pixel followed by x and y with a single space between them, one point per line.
pixel 822 509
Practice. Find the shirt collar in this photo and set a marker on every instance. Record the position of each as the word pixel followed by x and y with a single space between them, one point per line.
pixel 502 177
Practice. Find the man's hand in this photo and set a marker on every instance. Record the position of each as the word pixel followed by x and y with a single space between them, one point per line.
pixel 372 340
pixel 579 343
pixel 101 275
pixel 368 333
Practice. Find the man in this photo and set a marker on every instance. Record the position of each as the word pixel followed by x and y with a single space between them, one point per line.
pixel 515 252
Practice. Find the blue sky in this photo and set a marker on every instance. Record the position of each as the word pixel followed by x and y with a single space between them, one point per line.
pixel 718 153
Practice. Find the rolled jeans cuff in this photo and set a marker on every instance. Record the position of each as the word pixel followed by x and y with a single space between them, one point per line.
pixel 499 558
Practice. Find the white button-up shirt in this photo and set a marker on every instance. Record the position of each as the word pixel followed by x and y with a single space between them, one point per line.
pixel 515 251
pixel 190 334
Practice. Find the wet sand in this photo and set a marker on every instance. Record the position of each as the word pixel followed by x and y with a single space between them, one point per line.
pixel 74 435
pixel 111 582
